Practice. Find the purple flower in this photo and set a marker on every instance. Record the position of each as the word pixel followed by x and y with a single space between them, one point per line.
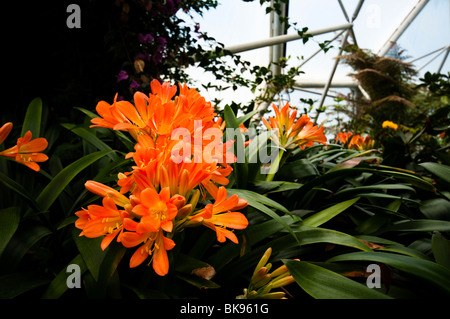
pixel 171 6
pixel 143 56
pixel 134 85
pixel 122 76
pixel 148 38
pixel 161 40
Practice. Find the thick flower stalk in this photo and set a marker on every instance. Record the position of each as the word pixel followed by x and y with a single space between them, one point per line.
pixel 27 151
pixel 179 154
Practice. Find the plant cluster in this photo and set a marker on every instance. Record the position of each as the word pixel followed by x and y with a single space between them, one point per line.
pixel 123 193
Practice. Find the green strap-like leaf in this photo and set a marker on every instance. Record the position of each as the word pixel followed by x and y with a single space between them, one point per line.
pixel 24 238
pixel 325 215
pixel 91 138
pixel 51 192
pixel 9 221
pixel 441 249
pixel 17 283
pixel 322 283
pixel 363 189
pixel 246 117
pixel 32 121
pixel 440 170
pixel 427 225
pixel 258 201
pixel 312 235
pixel 58 285
pixel 435 274
pixel 91 252
pixel 241 167
pixel 19 189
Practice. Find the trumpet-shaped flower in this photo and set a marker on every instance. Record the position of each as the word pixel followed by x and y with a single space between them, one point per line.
pixel 292 132
pixel 355 141
pixel 154 244
pixel 97 221
pixel 219 216
pixel 310 134
pixel 156 210
pixel 106 191
pixel 167 172
pixel 156 213
pixel 27 151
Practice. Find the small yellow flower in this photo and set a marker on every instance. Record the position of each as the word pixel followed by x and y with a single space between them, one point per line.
pixel 390 125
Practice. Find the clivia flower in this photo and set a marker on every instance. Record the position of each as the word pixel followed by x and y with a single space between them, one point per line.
pixel 291 132
pixel 219 216
pixel 27 151
pixel 157 212
pixel 96 221
pixel 355 141
pixel 160 194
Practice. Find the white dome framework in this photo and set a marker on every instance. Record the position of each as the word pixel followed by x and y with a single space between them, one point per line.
pixel 372 24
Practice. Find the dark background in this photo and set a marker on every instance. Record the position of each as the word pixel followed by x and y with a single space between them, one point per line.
pixel 42 57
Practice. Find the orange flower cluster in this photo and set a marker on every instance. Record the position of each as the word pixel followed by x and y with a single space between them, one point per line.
pixel 355 141
pixel 159 196
pixel 293 132
pixel 27 150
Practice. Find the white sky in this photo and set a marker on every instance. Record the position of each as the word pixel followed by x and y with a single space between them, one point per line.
pixel 237 22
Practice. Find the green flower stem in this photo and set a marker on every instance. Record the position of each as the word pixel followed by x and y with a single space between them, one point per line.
pixel 274 167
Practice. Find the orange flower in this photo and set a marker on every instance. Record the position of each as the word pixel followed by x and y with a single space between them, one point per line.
pixel 218 216
pixel 103 220
pixel 154 243
pixel 167 172
pixel 4 131
pixel 310 134
pixel 27 151
pixel 243 129
pixel 106 191
pixel 110 115
pixel 157 212
pixel 355 141
pixel 343 137
pixel 292 132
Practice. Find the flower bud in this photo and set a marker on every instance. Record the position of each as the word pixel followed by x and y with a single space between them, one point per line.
pixel 184 211
pixel 259 275
pixel 277 283
pixel 194 198
pixel 264 280
pixel 103 190
pixel 264 259
pixel 279 271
